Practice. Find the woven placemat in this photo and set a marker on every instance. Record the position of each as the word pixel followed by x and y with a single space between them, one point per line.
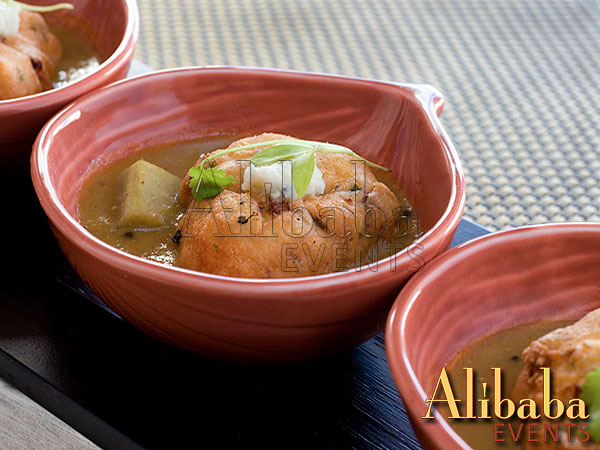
pixel 521 79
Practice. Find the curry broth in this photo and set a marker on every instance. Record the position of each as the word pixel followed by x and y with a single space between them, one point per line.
pixel 502 350
pixel 100 198
pixel 101 195
pixel 79 57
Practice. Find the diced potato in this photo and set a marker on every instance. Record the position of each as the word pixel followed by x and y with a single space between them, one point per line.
pixel 149 194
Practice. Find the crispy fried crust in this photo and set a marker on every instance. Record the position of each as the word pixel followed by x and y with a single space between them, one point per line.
pixel 17 75
pixel 34 27
pixel 234 234
pixel 27 58
pixel 571 353
pixel 40 61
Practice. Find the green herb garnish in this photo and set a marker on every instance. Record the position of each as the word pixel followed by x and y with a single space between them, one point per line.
pixel 206 183
pixel 590 394
pixel 39 9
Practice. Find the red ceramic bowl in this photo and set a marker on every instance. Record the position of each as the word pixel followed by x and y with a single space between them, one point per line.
pixel 249 319
pixel 111 26
pixel 546 272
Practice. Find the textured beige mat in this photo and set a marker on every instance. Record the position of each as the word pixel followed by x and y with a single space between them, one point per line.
pixel 521 79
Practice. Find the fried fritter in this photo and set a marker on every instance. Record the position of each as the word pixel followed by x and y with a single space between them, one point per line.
pixel 27 58
pixel 571 353
pixel 17 75
pixel 34 27
pixel 236 234
pixel 40 61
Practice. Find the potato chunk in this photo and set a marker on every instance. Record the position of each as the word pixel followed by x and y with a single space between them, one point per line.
pixel 149 195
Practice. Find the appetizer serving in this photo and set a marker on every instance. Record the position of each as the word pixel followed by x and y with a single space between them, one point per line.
pixel 32 58
pixel 269 319
pixel 267 206
pixel 570 354
pixel 55 57
pixel 517 315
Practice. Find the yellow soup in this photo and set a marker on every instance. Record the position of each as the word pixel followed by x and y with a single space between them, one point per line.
pixel 78 60
pixel 501 350
pixel 101 197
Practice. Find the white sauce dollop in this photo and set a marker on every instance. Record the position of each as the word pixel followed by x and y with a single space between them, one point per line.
pixel 279 177
pixel 9 19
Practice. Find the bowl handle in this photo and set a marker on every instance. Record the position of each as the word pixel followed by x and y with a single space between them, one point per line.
pixel 431 98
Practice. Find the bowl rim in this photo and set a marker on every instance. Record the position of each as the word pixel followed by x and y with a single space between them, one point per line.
pixel 114 63
pixel 427 97
pixel 405 379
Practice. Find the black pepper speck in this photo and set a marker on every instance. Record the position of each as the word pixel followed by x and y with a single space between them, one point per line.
pixel 176 237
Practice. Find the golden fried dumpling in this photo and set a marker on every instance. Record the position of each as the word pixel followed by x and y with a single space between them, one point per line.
pixel 248 234
pixel 40 61
pixel 34 27
pixel 27 58
pixel 17 76
pixel 570 353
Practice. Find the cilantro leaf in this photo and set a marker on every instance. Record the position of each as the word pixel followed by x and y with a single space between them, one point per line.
pixel 590 394
pixel 207 183
pixel 303 167
pixel 40 9
pixel 280 152
pixel 302 156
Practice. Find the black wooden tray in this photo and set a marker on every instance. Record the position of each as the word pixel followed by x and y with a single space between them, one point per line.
pixel 124 390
